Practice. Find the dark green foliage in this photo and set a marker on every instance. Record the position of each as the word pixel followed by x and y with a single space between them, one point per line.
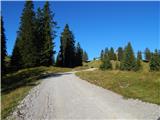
pixel 128 62
pixel 139 55
pixel 85 56
pixel 40 35
pixel 106 51
pixel 155 61
pixel 147 54
pixel 16 58
pixel 111 54
pixel 79 55
pixel 3 47
pixel 106 64
pixel 102 54
pixel 120 53
pixel 59 61
pixel 48 36
pixel 34 46
pixel 69 55
pixel 26 42
pixel 117 66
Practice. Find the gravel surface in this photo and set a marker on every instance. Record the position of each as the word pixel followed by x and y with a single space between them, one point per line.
pixel 65 96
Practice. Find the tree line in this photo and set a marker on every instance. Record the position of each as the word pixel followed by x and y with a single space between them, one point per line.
pixel 127 59
pixel 34 45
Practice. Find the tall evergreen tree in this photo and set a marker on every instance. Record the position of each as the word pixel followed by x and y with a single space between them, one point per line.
pixel 40 36
pixel 16 58
pixel 155 61
pixel 85 56
pixel 120 53
pixel 106 51
pixel 26 42
pixel 3 47
pixel 102 54
pixel 79 55
pixel 112 55
pixel 128 62
pixel 147 54
pixel 49 34
pixel 139 55
pixel 67 48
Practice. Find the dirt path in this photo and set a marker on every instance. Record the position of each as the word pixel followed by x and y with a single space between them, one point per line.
pixel 65 96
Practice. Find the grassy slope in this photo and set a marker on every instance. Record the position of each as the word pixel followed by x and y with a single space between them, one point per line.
pixel 24 80
pixel 143 84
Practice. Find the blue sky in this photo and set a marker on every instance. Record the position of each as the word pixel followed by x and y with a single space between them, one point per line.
pixel 96 25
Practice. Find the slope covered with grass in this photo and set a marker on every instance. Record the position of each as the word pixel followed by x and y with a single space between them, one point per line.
pixel 143 84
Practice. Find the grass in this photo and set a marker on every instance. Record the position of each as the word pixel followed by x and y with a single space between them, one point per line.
pixel 17 85
pixel 93 64
pixel 143 85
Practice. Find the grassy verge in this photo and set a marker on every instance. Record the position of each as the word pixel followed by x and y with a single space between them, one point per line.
pixel 17 85
pixel 143 85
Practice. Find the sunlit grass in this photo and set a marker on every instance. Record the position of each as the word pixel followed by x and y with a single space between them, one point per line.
pixel 144 85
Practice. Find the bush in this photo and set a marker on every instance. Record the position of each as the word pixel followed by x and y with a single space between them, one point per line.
pixel 106 64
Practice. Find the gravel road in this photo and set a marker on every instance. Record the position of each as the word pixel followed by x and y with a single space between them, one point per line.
pixel 65 96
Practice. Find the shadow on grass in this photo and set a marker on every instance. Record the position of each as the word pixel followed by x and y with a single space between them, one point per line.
pixel 27 77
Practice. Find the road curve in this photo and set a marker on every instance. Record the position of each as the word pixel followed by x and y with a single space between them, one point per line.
pixel 65 96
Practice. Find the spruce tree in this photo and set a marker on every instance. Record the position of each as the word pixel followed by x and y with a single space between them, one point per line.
pixel 59 62
pixel 128 62
pixel 40 36
pixel 120 53
pixel 147 54
pixel 112 55
pixel 67 48
pixel 3 47
pixel 79 55
pixel 26 42
pixel 139 55
pixel 106 64
pixel 102 54
pixel 16 58
pixel 155 62
pixel 85 56
pixel 106 51
pixel 49 34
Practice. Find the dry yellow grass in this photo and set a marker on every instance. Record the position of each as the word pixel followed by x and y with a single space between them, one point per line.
pixel 143 84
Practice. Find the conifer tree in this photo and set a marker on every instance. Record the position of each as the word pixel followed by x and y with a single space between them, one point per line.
pixel 16 58
pixel 128 62
pixel 67 48
pixel 147 54
pixel 112 55
pixel 106 64
pixel 49 34
pixel 26 42
pixel 139 55
pixel 155 61
pixel 40 36
pixel 59 61
pixel 79 55
pixel 120 53
pixel 102 54
pixel 85 56
pixel 3 47
pixel 106 51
